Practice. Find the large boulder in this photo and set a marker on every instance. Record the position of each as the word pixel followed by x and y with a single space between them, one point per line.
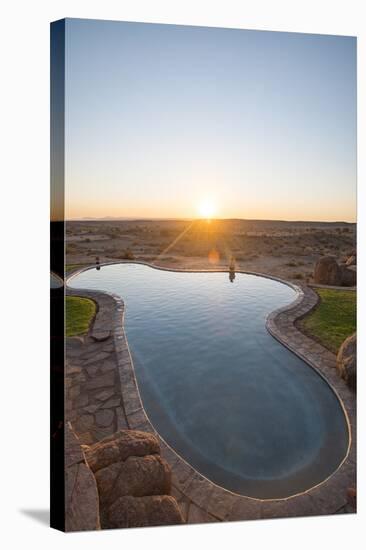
pixel 327 271
pixel 347 361
pixel 136 476
pixel 131 511
pixel 133 481
pixel 348 276
pixel 120 446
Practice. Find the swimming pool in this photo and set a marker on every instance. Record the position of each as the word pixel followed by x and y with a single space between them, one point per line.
pixel 231 400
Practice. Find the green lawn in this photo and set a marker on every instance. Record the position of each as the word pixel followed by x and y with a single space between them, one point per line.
pixel 333 319
pixel 79 314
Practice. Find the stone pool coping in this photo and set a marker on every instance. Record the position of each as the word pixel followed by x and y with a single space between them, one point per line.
pixel 204 500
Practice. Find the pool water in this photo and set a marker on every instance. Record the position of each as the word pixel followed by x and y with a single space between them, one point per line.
pixel 230 399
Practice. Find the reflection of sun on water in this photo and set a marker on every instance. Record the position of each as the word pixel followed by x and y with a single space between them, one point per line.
pixel 207 209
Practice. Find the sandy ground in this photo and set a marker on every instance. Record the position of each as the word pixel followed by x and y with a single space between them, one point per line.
pixel 285 249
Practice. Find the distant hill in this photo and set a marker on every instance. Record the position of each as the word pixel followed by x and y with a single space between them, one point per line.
pixel 265 224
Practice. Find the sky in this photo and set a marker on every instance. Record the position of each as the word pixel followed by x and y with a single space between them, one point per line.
pixel 165 121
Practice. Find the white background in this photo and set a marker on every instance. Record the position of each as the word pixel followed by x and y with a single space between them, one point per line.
pixel 24 200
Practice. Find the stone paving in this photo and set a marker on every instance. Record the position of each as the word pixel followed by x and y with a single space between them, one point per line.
pixel 103 396
pixel 93 400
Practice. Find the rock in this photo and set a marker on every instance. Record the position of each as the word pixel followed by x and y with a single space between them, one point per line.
pixel 81 494
pixel 104 418
pixel 111 403
pixel 84 423
pixel 73 392
pixel 105 394
pixel 121 419
pixel 327 272
pixel 73 450
pixel 71 369
pixel 101 381
pixel 136 476
pixel 119 447
pixel 86 438
pixel 132 480
pixel 82 502
pixel 145 511
pixel 348 276
pixel 91 408
pixel 107 478
pixel 101 433
pixel 100 335
pixel 347 360
pixel 351 260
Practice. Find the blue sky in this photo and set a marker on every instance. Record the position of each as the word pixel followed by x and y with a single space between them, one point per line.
pixel 161 118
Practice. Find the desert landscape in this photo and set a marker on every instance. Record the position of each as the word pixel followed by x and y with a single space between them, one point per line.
pixel 284 249
pixel 104 412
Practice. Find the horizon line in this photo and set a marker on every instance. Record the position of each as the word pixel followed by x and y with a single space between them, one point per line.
pixel 147 218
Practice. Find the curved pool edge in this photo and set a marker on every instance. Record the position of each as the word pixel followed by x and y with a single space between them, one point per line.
pixel 281 324
pixel 188 484
pixel 295 287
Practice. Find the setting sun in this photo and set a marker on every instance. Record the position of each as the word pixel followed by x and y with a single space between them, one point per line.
pixel 207 209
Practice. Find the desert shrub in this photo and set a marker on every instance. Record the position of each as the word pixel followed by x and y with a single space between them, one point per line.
pixel 128 255
pixel 165 232
pixel 167 259
pixel 298 276
pixel 70 247
pixel 291 264
pixel 147 258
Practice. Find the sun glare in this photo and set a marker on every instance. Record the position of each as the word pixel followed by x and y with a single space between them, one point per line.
pixel 207 209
